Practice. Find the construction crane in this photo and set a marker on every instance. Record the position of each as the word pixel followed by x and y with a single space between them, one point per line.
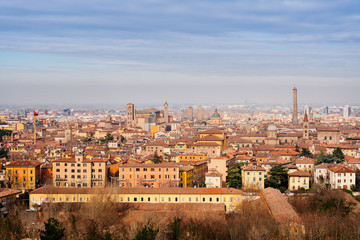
pixel 34 125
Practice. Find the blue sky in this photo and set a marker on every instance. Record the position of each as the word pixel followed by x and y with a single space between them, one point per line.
pixel 194 52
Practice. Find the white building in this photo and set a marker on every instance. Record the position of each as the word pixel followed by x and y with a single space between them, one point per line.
pixel 341 176
pixel 213 179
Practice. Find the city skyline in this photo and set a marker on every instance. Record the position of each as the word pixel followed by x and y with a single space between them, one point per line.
pixel 205 52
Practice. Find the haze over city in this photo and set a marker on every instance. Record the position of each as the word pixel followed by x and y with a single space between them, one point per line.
pixel 96 52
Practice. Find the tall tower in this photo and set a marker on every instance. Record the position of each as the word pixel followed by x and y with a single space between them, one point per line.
pixel 306 126
pixel 190 113
pixel 166 112
pixel 295 111
pixel 68 133
pixel 200 113
pixel 130 114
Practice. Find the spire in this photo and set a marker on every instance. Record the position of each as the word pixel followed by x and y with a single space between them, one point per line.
pixel 306 117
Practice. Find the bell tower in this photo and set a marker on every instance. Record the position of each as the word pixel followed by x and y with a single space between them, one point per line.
pixel 305 127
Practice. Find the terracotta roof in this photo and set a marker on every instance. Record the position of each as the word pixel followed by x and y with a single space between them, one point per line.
pixel 253 168
pixel 299 173
pixel 341 169
pixel 55 190
pixel 24 164
pixel 305 160
pixel 4 192
pixel 291 166
pixel 212 131
pixel 279 207
pixel 213 174
pixel 211 138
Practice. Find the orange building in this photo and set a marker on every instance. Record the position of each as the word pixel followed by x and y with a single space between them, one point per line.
pixel 151 175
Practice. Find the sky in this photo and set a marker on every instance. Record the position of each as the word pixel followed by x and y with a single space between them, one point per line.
pixel 183 52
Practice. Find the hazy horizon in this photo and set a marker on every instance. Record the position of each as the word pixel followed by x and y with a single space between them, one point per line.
pixel 149 52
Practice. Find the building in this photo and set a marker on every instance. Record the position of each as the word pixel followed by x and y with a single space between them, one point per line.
pixel 190 114
pixel 79 172
pixel 229 197
pixel 130 114
pixel 305 164
pixel 346 111
pixel 213 179
pixel 299 179
pixel 341 176
pixel 222 165
pixel 215 118
pixel 8 195
pixel 295 109
pixel 306 126
pixel 23 175
pixel 186 176
pixel 150 175
pixel 200 113
pixel 166 112
pixel 253 177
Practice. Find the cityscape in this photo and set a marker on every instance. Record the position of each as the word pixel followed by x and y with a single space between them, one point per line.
pixel 152 120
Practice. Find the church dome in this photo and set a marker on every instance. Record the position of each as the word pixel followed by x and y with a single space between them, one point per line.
pixel 215 114
pixel 272 128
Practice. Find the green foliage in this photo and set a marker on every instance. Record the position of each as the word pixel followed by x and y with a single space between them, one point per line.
pixel 338 154
pixel 4 133
pixel 156 158
pixel 328 158
pixel 175 228
pixel 234 178
pixel 122 139
pixel 109 137
pixel 278 178
pixel 147 233
pixel 305 153
pixel 54 230
pixel 297 149
pixel 4 153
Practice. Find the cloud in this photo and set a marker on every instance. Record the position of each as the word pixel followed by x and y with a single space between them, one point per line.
pixel 195 43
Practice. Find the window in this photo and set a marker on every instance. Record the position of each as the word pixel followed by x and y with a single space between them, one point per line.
pixel 72 176
pixel 137 169
pixel 100 170
pixel 78 164
pixel 57 184
pixel 217 199
pixel 79 171
pixel 72 170
pixel 65 169
pixel 84 165
pixel 148 199
pixel 57 164
pixel 57 175
pixel 84 177
pixel 73 164
pixel 145 169
pixel 203 199
pixel 135 199
pixel 169 199
pixel 248 173
pixel 78 176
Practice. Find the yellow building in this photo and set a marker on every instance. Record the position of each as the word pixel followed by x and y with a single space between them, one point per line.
pixel 230 197
pixel 299 179
pixel 191 157
pixel 253 177
pixel 24 175
pixel 186 176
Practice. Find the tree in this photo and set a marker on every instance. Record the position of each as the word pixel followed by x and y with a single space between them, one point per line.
pixel 3 153
pixel 147 233
pixel 338 153
pixel 234 178
pixel 54 230
pixel 156 158
pixel 305 153
pixel 297 149
pixel 109 137
pixel 175 228
pixel 4 133
pixel 278 178
pixel 328 158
